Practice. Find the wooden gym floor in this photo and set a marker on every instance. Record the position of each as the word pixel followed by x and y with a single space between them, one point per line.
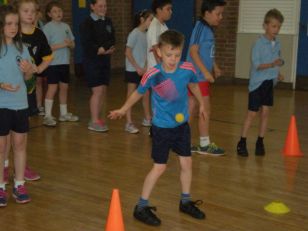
pixel 79 169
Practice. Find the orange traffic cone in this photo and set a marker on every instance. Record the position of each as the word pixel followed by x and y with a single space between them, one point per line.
pixel 291 147
pixel 115 219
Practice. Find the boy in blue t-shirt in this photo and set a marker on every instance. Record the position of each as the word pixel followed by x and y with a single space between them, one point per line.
pixel 264 71
pixel 169 82
pixel 202 55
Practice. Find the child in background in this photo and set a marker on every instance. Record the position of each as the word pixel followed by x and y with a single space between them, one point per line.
pixel 41 55
pixel 61 40
pixel 97 41
pixel 15 67
pixel 264 71
pixel 135 62
pixel 169 82
pixel 162 10
pixel 202 54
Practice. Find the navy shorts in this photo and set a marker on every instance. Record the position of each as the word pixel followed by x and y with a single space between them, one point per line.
pixel 13 120
pixel 163 139
pixel 58 73
pixel 97 72
pixel 262 96
pixel 132 77
pixel 43 74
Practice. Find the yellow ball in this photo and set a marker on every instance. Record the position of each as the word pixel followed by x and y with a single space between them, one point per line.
pixel 179 117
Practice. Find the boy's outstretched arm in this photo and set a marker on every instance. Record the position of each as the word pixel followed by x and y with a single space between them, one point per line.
pixel 118 113
pixel 194 88
pixel 194 53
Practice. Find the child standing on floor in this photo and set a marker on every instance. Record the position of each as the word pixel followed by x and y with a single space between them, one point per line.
pixel 162 10
pixel 97 41
pixel 61 40
pixel 135 62
pixel 169 82
pixel 266 61
pixel 15 67
pixel 202 54
pixel 41 55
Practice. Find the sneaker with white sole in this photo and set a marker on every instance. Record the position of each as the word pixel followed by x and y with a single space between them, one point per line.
pixel 130 128
pixel 98 126
pixel 49 121
pixel 21 195
pixel 211 149
pixel 31 175
pixel 3 197
pixel 69 117
pixel 41 111
pixel 146 123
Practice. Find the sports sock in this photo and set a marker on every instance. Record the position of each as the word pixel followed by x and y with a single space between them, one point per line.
pixel 204 141
pixel 142 203
pixel 63 109
pixel 185 197
pixel 48 107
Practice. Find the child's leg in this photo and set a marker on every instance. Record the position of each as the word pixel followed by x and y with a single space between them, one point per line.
pixel 131 87
pixel 8 148
pixel 3 147
pixel 146 106
pixel 186 173
pixel 19 143
pixel 151 179
pixel 49 98
pixel 63 97
pixel 191 107
pixel 248 120
pixel 96 100
pixel 264 113
pixel 204 123
pixel 39 91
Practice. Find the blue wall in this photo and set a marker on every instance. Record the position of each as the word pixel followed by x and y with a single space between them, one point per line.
pixel 302 58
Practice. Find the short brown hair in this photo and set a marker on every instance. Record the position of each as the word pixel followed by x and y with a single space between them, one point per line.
pixel 273 14
pixel 171 37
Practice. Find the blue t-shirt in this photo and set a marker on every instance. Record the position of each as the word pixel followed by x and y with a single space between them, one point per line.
pixel 137 41
pixel 263 51
pixel 169 93
pixel 57 32
pixel 203 36
pixel 11 73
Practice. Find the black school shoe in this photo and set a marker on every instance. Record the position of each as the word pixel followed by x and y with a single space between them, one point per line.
pixel 260 150
pixel 191 209
pixel 241 149
pixel 146 215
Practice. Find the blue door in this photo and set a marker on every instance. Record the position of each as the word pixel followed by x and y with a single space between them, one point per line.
pixel 302 58
pixel 79 14
pixel 182 17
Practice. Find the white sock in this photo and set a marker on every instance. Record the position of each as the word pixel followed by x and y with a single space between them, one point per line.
pixel 63 109
pixel 6 163
pixel 48 107
pixel 18 183
pixel 204 141
pixel 2 186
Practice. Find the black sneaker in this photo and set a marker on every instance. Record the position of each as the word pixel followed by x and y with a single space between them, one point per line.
pixel 191 209
pixel 146 215
pixel 242 149
pixel 260 151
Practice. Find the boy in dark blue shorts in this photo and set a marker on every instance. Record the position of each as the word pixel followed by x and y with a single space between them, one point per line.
pixel 264 71
pixel 169 82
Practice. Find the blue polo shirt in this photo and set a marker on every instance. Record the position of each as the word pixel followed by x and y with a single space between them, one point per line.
pixel 57 32
pixel 263 51
pixel 169 93
pixel 11 73
pixel 203 36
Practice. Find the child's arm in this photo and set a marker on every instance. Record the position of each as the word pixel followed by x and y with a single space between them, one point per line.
pixel 278 62
pixel 131 59
pixel 9 87
pixel 27 68
pixel 66 43
pixel 129 103
pixel 217 71
pixel 194 53
pixel 194 88
pixel 40 68
pixel 156 56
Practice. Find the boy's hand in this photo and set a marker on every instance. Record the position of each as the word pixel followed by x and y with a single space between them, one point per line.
pixel 217 72
pixel 280 77
pixel 116 114
pixel 9 87
pixel 26 67
pixel 68 43
pixel 110 50
pixel 209 77
pixel 278 62
pixel 141 71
